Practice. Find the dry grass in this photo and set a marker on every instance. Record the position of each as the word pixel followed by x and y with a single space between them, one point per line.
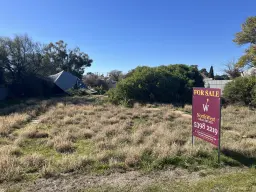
pixel 34 133
pixel 14 117
pixel 75 136
pixel 62 143
pixel 8 123
pixel 10 169
pixel 33 162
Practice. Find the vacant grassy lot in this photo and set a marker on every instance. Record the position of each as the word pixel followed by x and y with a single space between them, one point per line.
pixel 231 182
pixel 85 135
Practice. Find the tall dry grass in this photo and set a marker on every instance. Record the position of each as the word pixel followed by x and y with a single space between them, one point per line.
pixel 75 136
pixel 10 168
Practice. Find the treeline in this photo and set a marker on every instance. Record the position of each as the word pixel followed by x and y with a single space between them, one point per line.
pixel 242 90
pixel 169 84
pixel 24 63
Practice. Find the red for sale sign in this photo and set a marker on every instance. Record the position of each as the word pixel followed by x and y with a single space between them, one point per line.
pixel 206 114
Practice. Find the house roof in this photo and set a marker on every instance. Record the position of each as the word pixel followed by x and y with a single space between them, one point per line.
pixel 55 76
pixel 66 80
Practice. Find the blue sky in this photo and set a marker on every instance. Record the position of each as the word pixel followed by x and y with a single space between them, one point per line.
pixel 122 34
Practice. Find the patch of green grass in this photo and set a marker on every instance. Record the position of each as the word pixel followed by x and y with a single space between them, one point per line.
pixel 196 162
pixel 4 141
pixel 83 147
pixel 140 120
pixel 13 189
pixel 232 182
pixel 31 176
pixel 245 181
pixel 100 168
pixel 40 146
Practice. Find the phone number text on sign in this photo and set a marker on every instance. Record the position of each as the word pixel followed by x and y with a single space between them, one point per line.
pixel 206 127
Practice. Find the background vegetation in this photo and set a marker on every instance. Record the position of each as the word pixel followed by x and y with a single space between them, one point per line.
pixel 25 64
pixel 241 90
pixel 172 83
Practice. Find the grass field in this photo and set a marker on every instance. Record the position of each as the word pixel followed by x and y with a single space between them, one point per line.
pixel 231 182
pixel 45 139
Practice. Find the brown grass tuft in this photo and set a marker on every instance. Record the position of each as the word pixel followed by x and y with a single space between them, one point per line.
pixel 86 133
pixel 48 171
pixel 62 144
pixel 34 161
pixel 10 169
pixel 33 133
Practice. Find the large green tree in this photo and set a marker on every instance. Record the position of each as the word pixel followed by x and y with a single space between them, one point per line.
pixel 20 56
pixel 211 73
pixel 247 36
pixel 58 57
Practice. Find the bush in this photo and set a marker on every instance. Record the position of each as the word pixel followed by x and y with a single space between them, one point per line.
pixel 96 82
pixel 100 90
pixel 241 90
pixel 77 92
pixel 93 80
pixel 171 84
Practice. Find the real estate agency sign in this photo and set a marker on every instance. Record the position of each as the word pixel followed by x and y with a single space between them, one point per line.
pixel 206 114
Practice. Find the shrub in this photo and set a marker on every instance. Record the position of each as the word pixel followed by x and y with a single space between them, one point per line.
pixel 78 92
pixel 172 84
pixel 241 90
pixel 100 90
pixel 93 80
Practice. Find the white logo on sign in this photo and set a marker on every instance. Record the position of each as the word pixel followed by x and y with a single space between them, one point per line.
pixel 206 106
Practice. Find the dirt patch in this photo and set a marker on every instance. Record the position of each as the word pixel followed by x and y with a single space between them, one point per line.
pixel 183 115
pixel 71 182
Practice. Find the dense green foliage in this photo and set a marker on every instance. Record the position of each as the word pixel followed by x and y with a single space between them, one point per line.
pixel 247 36
pixel 241 90
pixel 172 84
pixel 211 73
pixel 221 77
pixel 23 60
pixel 58 57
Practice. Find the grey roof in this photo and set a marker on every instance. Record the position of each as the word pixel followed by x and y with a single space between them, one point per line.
pixel 66 80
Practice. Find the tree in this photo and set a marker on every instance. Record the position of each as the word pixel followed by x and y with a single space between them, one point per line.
pixel 211 73
pixel 247 36
pixel 129 73
pixel 232 70
pixel 116 75
pixel 172 83
pixel 94 80
pixel 241 90
pixel 2 79
pixel 204 72
pixel 221 77
pixel 19 57
pixel 59 58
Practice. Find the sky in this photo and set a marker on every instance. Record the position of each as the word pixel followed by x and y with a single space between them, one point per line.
pixel 123 34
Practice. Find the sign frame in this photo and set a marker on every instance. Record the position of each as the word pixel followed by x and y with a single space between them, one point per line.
pixel 199 96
